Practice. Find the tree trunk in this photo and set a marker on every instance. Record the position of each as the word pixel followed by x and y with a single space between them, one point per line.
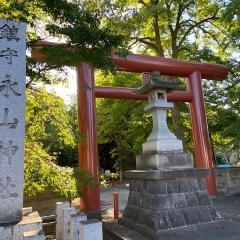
pixel 121 174
pixel 179 128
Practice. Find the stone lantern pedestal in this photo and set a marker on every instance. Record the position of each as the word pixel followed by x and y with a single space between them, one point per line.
pixel 168 196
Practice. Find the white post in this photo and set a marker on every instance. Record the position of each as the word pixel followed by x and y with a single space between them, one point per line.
pixel 59 220
pixel 67 212
pixel 74 224
pixel 90 229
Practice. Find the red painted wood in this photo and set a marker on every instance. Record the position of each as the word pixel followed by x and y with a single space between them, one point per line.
pixel 115 205
pixel 170 67
pixel 202 148
pixel 127 93
pixel 88 151
pixel 143 63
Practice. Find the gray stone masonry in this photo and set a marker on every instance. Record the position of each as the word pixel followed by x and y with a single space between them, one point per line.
pixel 74 224
pixel 67 212
pixel 228 180
pixel 165 204
pixel 33 235
pixel 31 221
pixel 12 119
pixel 168 196
pixel 90 229
pixel 164 161
pixel 14 221
pixel 59 218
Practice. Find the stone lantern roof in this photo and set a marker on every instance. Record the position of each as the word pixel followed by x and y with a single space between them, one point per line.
pixel 156 82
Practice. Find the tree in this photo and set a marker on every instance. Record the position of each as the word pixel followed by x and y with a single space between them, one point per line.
pixel 48 129
pixel 68 154
pixel 222 103
pixel 177 29
pixel 77 29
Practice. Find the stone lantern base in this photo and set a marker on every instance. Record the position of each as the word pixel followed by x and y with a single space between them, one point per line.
pixel 165 204
pixel 164 161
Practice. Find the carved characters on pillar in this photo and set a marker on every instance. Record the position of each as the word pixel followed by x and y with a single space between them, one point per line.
pixel 8 90
pixel 7 87
pixel 8 55
pixel 6 188
pixel 6 122
pixel 8 32
pixel 8 151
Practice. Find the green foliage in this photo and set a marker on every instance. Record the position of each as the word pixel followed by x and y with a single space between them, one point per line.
pixel 202 30
pixel 74 26
pixel 231 15
pixel 236 164
pixel 220 160
pixel 105 178
pixel 48 130
pixel 47 120
pixel 86 39
pixel 48 127
pixel 122 122
pixel 189 30
pixel 43 174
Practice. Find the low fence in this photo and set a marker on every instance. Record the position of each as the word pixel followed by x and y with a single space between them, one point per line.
pixel 44 203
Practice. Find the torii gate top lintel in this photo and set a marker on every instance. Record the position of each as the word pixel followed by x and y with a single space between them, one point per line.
pixel 167 66
pixel 170 67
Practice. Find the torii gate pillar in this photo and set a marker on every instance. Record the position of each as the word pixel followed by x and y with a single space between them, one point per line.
pixel 88 151
pixel 201 141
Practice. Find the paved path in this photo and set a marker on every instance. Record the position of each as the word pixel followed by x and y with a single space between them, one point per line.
pixel 106 198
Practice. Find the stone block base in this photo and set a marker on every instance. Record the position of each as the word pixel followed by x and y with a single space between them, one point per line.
pixel 164 161
pixel 33 235
pixel 165 204
pixel 31 221
pixel 166 145
pixel 174 232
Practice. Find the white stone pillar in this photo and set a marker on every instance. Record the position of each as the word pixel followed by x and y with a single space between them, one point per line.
pixel 90 229
pixel 12 119
pixel 59 220
pixel 67 212
pixel 74 224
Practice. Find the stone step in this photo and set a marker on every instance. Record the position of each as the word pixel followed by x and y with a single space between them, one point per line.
pixel 33 235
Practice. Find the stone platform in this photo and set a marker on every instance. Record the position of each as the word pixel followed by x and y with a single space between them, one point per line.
pixel 31 221
pixel 165 204
pixel 164 161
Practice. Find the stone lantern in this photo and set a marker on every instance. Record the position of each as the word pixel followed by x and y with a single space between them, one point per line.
pixel 162 149
pixel 167 195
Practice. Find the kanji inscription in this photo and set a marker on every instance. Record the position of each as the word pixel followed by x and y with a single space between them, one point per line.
pixel 6 189
pixel 12 120
pixel 8 54
pixel 8 151
pixel 6 123
pixel 10 33
pixel 8 87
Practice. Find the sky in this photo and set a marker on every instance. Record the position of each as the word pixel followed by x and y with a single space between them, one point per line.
pixel 66 92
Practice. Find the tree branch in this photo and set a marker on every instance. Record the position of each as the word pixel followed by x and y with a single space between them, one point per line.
pixel 196 25
pixel 158 45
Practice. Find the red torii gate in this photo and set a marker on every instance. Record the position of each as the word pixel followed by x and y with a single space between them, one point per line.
pixel 193 71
